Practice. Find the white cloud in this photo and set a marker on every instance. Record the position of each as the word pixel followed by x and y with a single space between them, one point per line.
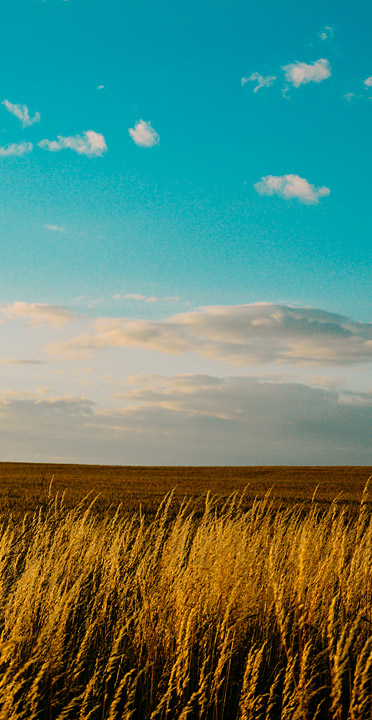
pixel 100 87
pixel 88 143
pixel 54 228
pixel 368 82
pixel 326 33
pixel 16 149
pixel 262 81
pixel 22 113
pixel 146 298
pixel 144 134
pixel 39 313
pixel 291 186
pixel 238 334
pixel 300 73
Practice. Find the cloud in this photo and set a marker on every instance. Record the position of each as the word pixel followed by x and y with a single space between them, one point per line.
pixel 21 112
pixel 323 381
pixel 54 228
pixel 144 298
pixel 300 73
pixel 215 396
pixel 16 149
pixel 291 186
pixel 326 33
pixel 192 420
pixel 138 297
pixel 100 87
pixel 134 296
pixel 88 143
pixel 39 313
pixel 144 135
pixel 237 334
pixel 68 403
pixel 21 362
pixel 349 96
pixel 262 81
pixel 368 82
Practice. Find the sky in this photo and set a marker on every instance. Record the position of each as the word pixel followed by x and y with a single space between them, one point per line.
pixel 185 232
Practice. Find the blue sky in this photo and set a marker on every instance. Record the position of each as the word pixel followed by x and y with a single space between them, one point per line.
pixel 158 159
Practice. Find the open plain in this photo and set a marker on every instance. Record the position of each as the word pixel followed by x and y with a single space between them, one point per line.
pixel 24 487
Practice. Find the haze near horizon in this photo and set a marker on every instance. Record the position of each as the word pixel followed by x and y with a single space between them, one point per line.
pixel 185 233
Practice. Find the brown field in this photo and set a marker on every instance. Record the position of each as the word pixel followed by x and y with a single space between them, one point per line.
pixel 24 486
pixel 227 608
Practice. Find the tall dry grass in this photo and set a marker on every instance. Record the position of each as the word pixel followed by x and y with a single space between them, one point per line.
pixel 254 615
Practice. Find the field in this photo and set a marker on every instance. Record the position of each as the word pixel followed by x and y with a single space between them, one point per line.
pixel 24 487
pixel 216 607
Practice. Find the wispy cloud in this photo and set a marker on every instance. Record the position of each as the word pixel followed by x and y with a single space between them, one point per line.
pixel 291 186
pixel 326 33
pixel 349 96
pixel 134 296
pixel 54 228
pixel 39 313
pixel 261 80
pixel 237 334
pixel 141 298
pixel 300 73
pixel 11 361
pixel 138 297
pixel 16 149
pixel 22 113
pixel 88 143
pixel 144 134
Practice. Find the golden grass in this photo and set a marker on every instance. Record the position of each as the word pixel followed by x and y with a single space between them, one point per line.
pixel 249 614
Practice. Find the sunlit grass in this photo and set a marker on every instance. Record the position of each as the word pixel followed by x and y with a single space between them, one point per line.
pixel 263 613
